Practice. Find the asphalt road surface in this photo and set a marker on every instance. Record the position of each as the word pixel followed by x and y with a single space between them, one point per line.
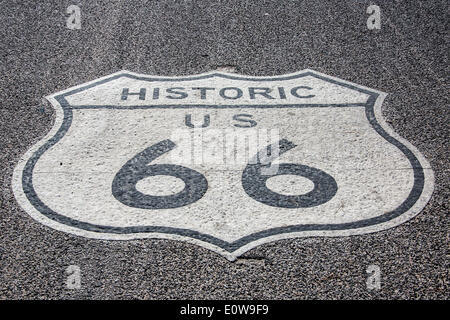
pixel 407 58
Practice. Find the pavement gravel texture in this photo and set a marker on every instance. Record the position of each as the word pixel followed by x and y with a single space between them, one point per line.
pixel 408 58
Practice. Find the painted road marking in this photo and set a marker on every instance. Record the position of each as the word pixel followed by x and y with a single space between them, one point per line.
pixel 221 160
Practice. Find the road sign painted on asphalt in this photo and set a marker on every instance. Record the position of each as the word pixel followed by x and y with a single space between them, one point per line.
pixel 221 160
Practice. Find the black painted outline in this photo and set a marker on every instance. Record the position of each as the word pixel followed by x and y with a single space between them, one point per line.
pixel 27 182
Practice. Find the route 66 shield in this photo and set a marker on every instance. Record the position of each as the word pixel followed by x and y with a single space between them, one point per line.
pixel 224 161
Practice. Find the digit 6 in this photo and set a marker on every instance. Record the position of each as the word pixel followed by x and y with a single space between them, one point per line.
pixel 254 183
pixel 137 168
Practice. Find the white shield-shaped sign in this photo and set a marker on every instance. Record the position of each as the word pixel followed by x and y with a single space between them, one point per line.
pixel 221 160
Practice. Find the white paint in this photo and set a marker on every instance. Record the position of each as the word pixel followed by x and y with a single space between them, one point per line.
pixel 290 184
pixel 373 176
pixel 160 185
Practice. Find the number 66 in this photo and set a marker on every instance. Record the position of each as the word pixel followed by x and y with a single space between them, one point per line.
pixel 196 185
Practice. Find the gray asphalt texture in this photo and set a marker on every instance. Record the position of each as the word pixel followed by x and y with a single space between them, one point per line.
pixel 408 58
